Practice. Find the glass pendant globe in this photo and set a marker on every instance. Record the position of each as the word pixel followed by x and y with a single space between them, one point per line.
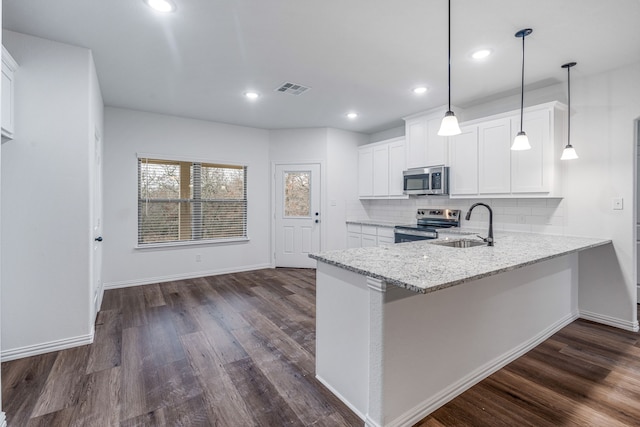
pixel 521 142
pixel 449 125
pixel 569 153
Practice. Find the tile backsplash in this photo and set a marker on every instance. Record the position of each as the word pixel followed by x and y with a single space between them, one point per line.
pixel 545 216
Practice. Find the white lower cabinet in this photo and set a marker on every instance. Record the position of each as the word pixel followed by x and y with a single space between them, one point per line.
pixel 364 236
pixel 482 163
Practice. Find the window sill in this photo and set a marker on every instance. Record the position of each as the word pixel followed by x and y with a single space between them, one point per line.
pixel 173 245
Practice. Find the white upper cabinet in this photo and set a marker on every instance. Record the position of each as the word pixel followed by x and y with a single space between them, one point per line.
pixel 494 157
pixel 365 171
pixel 9 67
pixel 380 167
pixel 533 169
pixel 500 172
pixel 423 145
pixel 463 162
pixel 381 170
pixel 396 166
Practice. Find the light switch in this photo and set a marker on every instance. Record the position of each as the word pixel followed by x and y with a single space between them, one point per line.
pixel 616 203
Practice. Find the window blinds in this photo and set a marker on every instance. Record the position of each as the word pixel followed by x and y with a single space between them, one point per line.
pixel 190 201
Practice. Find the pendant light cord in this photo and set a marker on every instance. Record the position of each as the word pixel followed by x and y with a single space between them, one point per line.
pixel 569 105
pixel 522 87
pixel 449 75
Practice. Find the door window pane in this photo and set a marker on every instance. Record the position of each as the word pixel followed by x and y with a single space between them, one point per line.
pixel 297 196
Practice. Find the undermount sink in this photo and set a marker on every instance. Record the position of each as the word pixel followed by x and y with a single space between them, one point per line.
pixel 463 243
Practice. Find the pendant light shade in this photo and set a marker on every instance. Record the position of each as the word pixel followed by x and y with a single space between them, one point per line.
pixel 521 141
pixel 449 125
pixel 569 153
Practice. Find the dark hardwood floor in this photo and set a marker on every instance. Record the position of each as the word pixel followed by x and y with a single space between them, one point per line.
pixel 238 350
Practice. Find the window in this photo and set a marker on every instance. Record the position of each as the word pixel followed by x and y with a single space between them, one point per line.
pixel 190 201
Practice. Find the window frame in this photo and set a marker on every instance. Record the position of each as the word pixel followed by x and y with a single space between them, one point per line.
pixel 190 242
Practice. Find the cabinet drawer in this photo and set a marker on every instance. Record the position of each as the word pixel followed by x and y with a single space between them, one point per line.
pixel 354 228
pixel 385 232
pixel 370 229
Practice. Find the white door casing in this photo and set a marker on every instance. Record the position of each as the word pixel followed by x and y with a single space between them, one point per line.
pixel 297 214
pixel 96 271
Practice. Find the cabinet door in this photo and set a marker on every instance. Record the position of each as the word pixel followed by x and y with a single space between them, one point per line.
pixel 369 241
pixel 436 145
pixel 463 160
pixel 381 170
pixel 8 68
pixel 354 240
pixel 494 161
pixel 365 172
pixel 530 168
pixel 397 162
pixel 416 142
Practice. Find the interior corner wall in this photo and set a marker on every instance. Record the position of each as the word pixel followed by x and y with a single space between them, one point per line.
pixel 342 183
pixel 337 150
pixel 45 199
pixel 604 110
pixel 128 133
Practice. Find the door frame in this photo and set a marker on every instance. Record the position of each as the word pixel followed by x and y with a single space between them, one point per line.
pixel 323 205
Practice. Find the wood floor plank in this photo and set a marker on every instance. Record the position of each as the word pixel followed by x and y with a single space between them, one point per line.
pixel 106 351
pixel 223 402
pixel 65 385
pixel 23 380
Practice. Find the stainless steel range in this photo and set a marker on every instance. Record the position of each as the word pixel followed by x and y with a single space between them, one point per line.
pixel 428 221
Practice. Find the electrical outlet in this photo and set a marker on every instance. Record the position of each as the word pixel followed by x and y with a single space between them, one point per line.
pixel 616 204
pixel 198 257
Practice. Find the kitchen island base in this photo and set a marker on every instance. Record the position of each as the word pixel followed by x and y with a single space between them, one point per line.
pixel 394 355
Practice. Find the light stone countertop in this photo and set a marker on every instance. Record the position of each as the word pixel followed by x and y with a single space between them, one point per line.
pixel 424 266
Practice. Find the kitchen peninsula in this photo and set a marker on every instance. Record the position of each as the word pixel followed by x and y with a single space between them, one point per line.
pixel 402 329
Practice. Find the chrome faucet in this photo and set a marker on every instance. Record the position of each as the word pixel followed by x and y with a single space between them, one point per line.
pixel 489 238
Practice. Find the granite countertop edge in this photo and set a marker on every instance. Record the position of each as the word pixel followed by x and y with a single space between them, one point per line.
pixel 457 281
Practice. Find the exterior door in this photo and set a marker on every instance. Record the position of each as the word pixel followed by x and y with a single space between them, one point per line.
pixel 96 253
pixel 297 214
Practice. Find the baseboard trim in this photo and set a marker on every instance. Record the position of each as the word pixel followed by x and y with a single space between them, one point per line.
pixel 36 349
pixel 426 407
pixel 341 397
pixel 184 276
pixel 610 321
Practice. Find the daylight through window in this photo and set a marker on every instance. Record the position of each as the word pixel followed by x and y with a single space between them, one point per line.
pixel 190 201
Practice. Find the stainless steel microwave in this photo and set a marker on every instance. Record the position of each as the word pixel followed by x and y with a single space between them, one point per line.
pixel 426 181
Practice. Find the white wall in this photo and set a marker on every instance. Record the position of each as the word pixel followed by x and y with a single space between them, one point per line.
pixel 129 132
pixel 337 152
pixel 45 199
pixel 605 108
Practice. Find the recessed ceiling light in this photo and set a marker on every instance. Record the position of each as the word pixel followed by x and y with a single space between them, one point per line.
pixel 252 95
pixel 161 5
pixel 420 90
pixel 352 115
pixel 481 54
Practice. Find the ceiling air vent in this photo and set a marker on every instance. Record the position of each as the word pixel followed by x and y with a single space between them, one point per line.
pixel 292 88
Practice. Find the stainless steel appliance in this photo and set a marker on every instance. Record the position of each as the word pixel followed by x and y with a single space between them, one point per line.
pixel 428 221
pixel 432 180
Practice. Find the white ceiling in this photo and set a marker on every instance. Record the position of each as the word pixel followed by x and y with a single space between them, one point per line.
pixel 360 55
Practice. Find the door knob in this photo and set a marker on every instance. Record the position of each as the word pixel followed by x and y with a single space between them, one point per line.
pixel 98 239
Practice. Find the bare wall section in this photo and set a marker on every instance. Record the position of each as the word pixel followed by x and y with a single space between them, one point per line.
pixel 129 132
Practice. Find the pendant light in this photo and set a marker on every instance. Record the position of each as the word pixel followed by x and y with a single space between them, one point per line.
pixel 521 141
pixel 449 125
pixel 569 153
